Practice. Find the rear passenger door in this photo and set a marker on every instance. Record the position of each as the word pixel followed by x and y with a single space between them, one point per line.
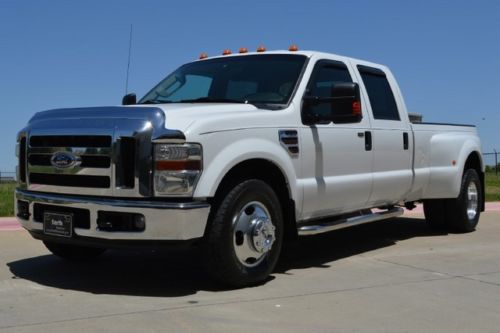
pixel 392 138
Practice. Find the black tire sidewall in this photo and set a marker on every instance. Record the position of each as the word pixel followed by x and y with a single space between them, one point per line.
pixel 228 268
pixel 462 221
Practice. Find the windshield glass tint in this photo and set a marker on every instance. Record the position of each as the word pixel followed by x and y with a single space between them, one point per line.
pixel 268 79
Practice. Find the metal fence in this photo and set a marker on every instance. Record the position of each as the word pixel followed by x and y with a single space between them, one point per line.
pixel 491 161
pixel 7 176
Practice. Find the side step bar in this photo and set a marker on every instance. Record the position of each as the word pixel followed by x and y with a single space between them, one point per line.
pixel 348 222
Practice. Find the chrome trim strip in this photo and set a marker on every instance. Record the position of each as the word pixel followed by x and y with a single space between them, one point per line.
pixel 49 170
pixel 73 199
pixel 344 223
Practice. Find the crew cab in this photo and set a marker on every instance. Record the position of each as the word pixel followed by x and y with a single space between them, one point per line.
pixel 239 153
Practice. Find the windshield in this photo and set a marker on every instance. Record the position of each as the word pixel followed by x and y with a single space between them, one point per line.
pixel 255 79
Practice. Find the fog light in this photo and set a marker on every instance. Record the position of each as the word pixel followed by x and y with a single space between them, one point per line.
pixel 139 222
pixel 23 210
pixel 120 222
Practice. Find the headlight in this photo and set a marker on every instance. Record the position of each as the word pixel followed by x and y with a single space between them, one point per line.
pixel 177 168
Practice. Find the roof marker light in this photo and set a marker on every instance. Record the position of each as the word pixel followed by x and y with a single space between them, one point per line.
pixel 243 50
pixel 293 48
pixel 203 55
pixel 226 52
pixel 261 48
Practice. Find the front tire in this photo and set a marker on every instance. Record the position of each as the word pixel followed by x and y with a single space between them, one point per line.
pixel 73 252
pixel 245 236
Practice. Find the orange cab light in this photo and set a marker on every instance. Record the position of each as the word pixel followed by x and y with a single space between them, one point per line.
pixel 203 55
pixel 356 108
pixel 243 50
pixel 261 48
pixel 178 165
pixel 226 52
pixel 293 48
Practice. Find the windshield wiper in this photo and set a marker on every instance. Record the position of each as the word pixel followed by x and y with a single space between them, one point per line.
pixel 154 101
pixel 212 100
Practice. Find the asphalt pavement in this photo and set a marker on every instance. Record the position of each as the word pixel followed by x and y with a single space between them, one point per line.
pixel 388 276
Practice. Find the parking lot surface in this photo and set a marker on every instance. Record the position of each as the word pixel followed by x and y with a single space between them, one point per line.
pixel 389 276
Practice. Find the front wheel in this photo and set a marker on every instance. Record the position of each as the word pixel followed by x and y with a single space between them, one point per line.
pixel 245 236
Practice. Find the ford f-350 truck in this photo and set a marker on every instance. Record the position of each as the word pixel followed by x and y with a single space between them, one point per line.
pixel 239 153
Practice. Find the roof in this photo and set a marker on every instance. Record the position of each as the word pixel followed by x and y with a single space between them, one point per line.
pixel 307 53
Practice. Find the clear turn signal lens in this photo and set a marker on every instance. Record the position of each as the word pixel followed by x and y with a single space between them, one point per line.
pixel 177 168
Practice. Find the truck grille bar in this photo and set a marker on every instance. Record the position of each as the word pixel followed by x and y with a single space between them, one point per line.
pixel 70 180
pixel 22 160
pixel 71 141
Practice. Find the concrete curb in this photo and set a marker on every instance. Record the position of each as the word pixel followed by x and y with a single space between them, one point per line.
pixel 9 224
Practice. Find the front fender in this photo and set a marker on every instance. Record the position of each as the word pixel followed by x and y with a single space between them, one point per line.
pixel 222 151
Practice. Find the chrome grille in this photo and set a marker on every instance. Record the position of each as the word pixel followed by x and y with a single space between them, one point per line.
pixel 109 148
pixel 94 154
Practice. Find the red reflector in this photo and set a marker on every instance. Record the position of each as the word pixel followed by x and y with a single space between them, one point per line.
pixel 178 165
pixel 356 108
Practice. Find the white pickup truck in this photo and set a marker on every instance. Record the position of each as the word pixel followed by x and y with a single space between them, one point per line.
pixel 239 153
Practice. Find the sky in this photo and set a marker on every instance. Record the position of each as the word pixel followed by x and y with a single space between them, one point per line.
pixel 57 54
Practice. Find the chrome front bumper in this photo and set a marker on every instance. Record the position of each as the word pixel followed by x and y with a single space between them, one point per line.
pixel 165 221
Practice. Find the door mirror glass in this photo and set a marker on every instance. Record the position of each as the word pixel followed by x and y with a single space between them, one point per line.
pixel 343 105
pixel 346 103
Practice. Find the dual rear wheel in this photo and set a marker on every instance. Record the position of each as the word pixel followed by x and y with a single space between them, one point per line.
pixel 460 214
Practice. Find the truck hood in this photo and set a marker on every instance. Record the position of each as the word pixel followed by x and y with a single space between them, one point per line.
pixel 175 116
pixel 182 116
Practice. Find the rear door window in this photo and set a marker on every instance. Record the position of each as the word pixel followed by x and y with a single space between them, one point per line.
pixel 381 97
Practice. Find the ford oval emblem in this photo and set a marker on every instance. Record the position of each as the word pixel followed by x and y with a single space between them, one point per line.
pixel 64 160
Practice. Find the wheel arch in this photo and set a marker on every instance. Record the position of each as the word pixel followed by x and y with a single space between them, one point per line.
pixel 268 172
pixel 474 161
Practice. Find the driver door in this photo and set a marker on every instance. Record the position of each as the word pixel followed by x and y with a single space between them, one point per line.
pixel 337 166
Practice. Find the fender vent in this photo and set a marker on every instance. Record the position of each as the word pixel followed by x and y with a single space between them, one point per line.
pixel 290 140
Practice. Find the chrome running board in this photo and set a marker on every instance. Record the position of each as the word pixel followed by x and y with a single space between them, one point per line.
pixel 349 222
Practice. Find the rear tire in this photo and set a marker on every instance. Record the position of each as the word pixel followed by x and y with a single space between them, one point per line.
pixel 460 214
pixel 73 252
pixel 464 211
pixel 435 214
pixel 244 239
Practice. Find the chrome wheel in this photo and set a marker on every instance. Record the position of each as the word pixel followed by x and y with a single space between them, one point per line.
pixel 472 201
pixel 253 234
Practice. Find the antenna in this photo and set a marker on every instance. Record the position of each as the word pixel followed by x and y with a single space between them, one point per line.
pixel 128 64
